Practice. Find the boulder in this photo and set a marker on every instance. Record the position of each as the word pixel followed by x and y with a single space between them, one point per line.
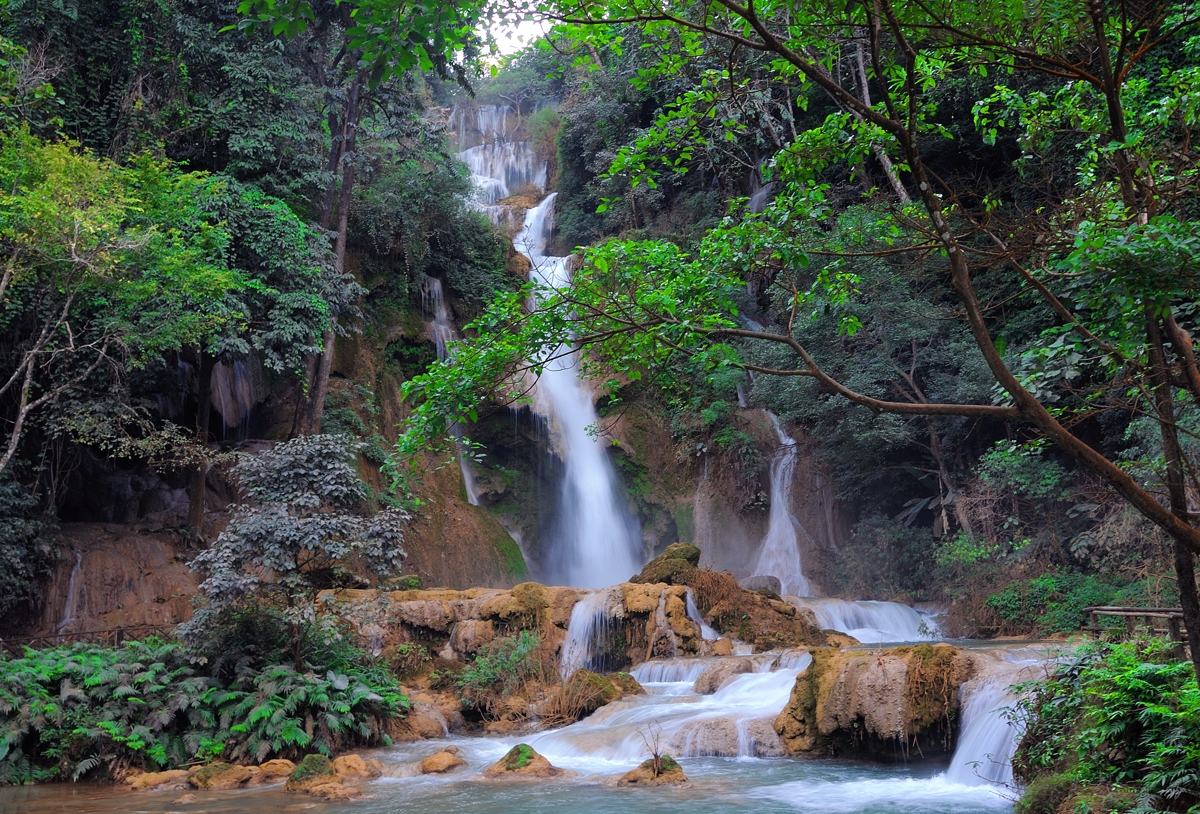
pixel 758 583
pixel 522 762
pixel 355 767
pixel 277 769
pixel 427 721
pixel 711 679
pixel 669 772
pixel 216 776
pixel 626 683
pixel 441 762
pixel 144 781
pixel 335 792
pixel 722 647
pixel 185 800
pixel 313 771
pixel 470 635
pixel 871 703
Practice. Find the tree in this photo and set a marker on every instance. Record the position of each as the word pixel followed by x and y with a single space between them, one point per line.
pixel 1100 228
pixel 299 533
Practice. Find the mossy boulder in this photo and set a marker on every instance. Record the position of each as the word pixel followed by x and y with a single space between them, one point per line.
pixel 522 762
pixel 627 683
pixel 311 772
pixel 675 566
pixel 217 776
pixel 666 772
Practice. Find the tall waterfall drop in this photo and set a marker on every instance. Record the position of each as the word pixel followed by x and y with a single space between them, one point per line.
pixel 779 555
pixel 597 541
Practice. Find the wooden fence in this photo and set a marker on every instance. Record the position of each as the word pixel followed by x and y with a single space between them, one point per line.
pixel 1171 618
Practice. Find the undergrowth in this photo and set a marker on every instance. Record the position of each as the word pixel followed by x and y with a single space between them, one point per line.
pixel 1118 723
pixel 77 709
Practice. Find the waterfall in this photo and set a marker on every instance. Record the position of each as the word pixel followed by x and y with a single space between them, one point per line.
pixel 779 555
pixel 71 603
pixel 706 632
pixel 598 541
pixel 433 300
pixel 588 631
pixel 986 738
pixel 499 166
pixel 869 621
pixel 735 721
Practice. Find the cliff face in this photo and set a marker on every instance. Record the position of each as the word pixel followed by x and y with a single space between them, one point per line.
pixel 109 576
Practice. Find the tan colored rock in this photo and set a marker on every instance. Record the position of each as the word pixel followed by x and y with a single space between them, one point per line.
pixel 671 774
pixel 441 762
pixel 145 781
pixel 355 767
pixel 185 800
pixel 523 763
pixel 426 613
pixel 277 769
pixel 641 598
pixel 427 722
pixel 722 647
pixel 256 776
pixel 313 771
pixel 711 679
pixel 559 604
pixel 219 776
pixel 470 635
pixel 334 792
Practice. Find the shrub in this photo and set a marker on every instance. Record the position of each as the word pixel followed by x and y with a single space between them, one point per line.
pixel 1052 603
pixel 500 669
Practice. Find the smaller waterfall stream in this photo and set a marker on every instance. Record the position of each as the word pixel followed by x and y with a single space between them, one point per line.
pixel 869 621
pixel 433 301
pixel 779 555
pixel 71 604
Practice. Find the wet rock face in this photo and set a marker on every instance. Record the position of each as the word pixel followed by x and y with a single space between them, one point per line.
pixel 711 679
pixel 869 703
pixel 113 577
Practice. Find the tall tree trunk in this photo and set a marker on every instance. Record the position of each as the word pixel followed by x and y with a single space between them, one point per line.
pixel 320 384
pixel 199 487
pixel 1185 565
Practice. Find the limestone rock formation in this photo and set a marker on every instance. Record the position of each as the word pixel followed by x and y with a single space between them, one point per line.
pixel 277 769
pixel 218 776
pixel 356 767
pixel 869 703
pixel 711 679
pixel 145 781
pixel 522 762
pixel 442 761
pixel 667 772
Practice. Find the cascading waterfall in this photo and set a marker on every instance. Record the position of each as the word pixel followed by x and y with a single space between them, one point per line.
pixel 499 166
pixel 598 541
pixel 869 621
pixel 71 604
pixel 987 739
pixel 433 301
pixel 779 555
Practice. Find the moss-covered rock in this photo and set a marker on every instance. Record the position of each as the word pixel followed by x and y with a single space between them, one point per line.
pixel 868 703
pixel 675 566
pixel 217 776
pixel 522 762
pixel 667 771
pixel 627 683
pixel 313 771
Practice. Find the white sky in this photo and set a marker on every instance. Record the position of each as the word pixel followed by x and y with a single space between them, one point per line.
pixel 512 39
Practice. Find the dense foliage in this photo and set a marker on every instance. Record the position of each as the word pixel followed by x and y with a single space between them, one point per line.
pixel 76 709
pixel 1115 728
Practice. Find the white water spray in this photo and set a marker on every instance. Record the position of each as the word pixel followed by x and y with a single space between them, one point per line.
pixel 869 621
